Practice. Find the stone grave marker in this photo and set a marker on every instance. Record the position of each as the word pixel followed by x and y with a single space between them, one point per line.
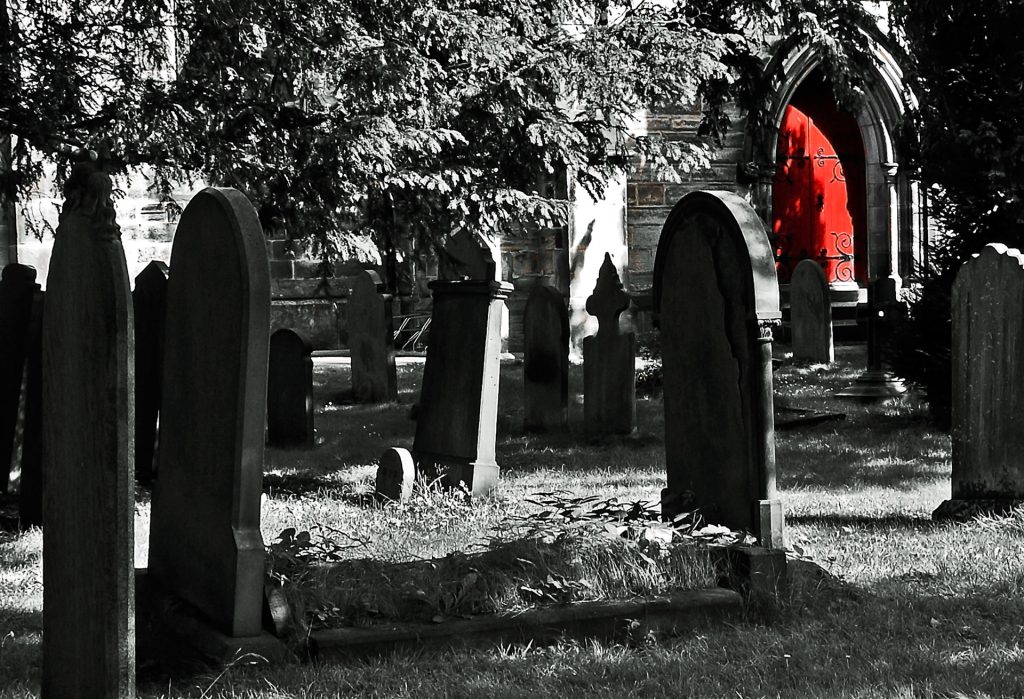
pixel 716 301
pixel 988 384
pixel 30 494
pixel 374 379
pixel 150 304
pixel 609 359
pixel 290 390
pixel 205 544
pixel 395 475
pixel 811 314
pixel 18 290
pixel 458 410
pixel 884 310
pixel 89 503
pixel 546 360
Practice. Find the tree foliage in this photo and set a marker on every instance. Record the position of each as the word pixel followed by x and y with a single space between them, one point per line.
pixel 402 119
pixel 966 141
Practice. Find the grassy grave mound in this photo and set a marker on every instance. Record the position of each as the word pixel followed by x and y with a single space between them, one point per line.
pixel 572 549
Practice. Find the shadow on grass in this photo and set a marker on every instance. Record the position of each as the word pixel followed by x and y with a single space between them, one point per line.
pixel 319 485
pixel 883 522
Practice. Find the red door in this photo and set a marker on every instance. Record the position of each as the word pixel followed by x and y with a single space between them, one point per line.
pixel 818 198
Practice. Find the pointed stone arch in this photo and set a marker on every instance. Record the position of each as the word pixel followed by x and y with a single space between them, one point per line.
pixel 896 230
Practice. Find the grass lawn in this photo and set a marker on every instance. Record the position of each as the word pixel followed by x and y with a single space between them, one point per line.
pixel 905 607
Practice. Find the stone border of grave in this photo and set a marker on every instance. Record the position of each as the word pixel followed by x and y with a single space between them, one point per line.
pixel 618 620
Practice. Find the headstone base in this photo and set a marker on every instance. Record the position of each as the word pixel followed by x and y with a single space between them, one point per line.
pixel 963 509
pixel 874 385
pixel 160 613
pixel 771 524
pixel 479 478
pixel 758 572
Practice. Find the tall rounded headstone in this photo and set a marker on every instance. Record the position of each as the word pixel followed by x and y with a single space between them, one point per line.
pixel 988 384
pixel 810 314
pixel 716 300
pixel 546 360
pixel 290 390
pixel 205 543
pixel 89 503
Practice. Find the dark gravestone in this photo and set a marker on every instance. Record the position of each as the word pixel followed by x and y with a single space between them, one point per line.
pixel 30 496
pixel 883 311
pixel 205 544
pixel 290 390
pixel 546 360
pixel 716 300
pixel 88 461
pixel 17 293
pixel 988 384
pixel 457 419
pixel 150 303
pixel 811 314
pixel 609 359
pixel 369 338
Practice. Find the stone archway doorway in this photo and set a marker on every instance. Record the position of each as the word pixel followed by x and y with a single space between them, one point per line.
pixel 819 207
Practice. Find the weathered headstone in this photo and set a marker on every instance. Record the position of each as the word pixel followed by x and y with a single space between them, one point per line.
pixel 458 413
pixel 546 360
pixel 205 544
pixel 811 314
pixel 150 303
pixel 17 293
pixel 988 384
pixel 89 504
pixel 372 350
pixel 716 300
pixel 609 359
pixel 30 495
pixel 290 390
pixel 395 475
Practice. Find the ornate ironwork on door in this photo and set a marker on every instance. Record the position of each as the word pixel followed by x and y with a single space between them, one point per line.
pixel 816 211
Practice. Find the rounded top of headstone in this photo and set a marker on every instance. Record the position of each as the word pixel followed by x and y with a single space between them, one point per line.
pixel 810 269
pixel 735 216
pixel 15 273
pixel 286 337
